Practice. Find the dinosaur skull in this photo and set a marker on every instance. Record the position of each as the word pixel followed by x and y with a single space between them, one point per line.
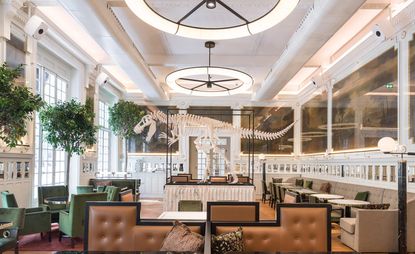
pixel 145 121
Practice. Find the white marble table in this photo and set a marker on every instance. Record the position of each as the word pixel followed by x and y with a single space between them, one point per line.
pixel 348 204
pixel 303 191
pixel 326 196
pixel 200 216
pixel 174 193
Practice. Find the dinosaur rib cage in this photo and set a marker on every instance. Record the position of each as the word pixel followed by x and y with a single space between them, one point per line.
pixel 195 120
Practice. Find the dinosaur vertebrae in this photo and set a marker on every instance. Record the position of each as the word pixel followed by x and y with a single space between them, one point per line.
pixel 195 120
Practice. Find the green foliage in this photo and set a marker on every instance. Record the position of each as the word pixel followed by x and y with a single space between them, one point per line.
pixel 124 116
pixel 17 103
pixel 69 125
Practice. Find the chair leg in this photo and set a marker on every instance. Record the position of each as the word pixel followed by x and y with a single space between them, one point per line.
pixel 50 236
pixel 41 235
pixel 16 248
pixel 60 236
pixel 72 242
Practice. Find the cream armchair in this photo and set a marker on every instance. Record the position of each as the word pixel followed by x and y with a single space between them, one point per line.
pixel 377 230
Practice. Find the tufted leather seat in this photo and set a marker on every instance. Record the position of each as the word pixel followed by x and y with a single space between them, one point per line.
pixel 233 211
pixel 301 228
pixel 116 226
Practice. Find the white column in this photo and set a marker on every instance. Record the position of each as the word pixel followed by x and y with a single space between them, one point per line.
pixel 329 87
pixel 403 89
pixel 297 129
pixel 235 148
pixel 5 16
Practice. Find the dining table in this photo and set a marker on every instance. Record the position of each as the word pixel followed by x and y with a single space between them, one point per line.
pixel 183 216
pixel 57 200
pixel 348 204
pixel 326 196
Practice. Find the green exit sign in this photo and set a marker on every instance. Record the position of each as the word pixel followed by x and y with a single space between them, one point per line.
pixel 389 85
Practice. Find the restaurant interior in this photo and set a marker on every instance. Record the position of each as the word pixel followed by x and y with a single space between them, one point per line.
pixel 207 126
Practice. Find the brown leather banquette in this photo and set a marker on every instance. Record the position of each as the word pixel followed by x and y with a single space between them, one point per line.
pixel 299 228
pixel 116 226
pixel 232 211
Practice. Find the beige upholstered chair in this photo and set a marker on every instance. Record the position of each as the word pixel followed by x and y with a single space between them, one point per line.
pixel 377 230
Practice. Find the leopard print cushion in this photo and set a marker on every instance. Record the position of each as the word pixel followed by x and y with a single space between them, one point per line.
pixel 228 242
pixel 182 239
pixel 376 206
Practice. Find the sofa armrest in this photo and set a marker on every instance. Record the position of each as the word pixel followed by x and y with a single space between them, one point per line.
pixel 65 222
pixel 376 231
pixel 34 210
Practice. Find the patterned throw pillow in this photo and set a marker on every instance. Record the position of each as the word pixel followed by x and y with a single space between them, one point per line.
pixel 182 239
pixel 325 187
pixel 228 242
pixel 376 206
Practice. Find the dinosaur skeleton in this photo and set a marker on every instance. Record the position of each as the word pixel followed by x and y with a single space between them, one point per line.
pixel 181 123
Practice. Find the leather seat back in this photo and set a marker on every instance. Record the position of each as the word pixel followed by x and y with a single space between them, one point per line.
pixel 116 226
pixel 233 211
pixel 301 228
pixel 151 237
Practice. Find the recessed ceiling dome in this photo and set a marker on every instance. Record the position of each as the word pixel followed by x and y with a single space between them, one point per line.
pixel 212 19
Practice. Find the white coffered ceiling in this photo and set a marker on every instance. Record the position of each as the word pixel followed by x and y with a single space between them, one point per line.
pixel 146 55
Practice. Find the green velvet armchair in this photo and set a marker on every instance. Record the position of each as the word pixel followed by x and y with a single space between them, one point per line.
pixel 38 219
pixel 71 223
pixel 113 193
pixel 84 189
pixel 17 217
pixel 52 191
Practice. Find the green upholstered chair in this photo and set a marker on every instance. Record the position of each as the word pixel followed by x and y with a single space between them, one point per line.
pixel 52 191
pixel 17 217
pixel 71 223
pixel 308 184
pixel 101 188
pixel 299 182
pixel 84 189
pixel 37 219
pixel 190 206
pixel 113 193
pixel 363 196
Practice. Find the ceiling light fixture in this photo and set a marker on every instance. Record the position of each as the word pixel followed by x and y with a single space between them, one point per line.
pixel 248 27
pixel 211 4
pixel 209 80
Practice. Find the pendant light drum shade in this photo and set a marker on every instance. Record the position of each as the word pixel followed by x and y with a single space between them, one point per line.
pixel 278 13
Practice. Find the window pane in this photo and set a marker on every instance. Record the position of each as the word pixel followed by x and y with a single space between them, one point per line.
pixel 270 119
pixel 314 122
pixel 365 104
pixel 412 89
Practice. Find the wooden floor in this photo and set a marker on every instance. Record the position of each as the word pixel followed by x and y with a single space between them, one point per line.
pixel 151 209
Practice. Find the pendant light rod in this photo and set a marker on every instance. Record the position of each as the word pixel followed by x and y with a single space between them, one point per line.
pixel 210 45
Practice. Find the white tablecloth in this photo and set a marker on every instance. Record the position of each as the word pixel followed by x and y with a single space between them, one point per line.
pixel 183 216
pixel 174 193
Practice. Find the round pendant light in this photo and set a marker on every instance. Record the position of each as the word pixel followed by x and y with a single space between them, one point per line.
pixel 248 27
pixel 209 80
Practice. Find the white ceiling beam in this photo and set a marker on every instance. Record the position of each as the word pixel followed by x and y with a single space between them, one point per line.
pixel 326 18
pixel 99 22
pixel 221 60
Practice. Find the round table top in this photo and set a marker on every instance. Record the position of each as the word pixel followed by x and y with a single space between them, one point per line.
pixel 348 202
pixel 57 199
pixel 327 196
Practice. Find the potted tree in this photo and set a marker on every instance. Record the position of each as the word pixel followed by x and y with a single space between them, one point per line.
pixel 17 104
pixel 69 126
pixel 124 116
